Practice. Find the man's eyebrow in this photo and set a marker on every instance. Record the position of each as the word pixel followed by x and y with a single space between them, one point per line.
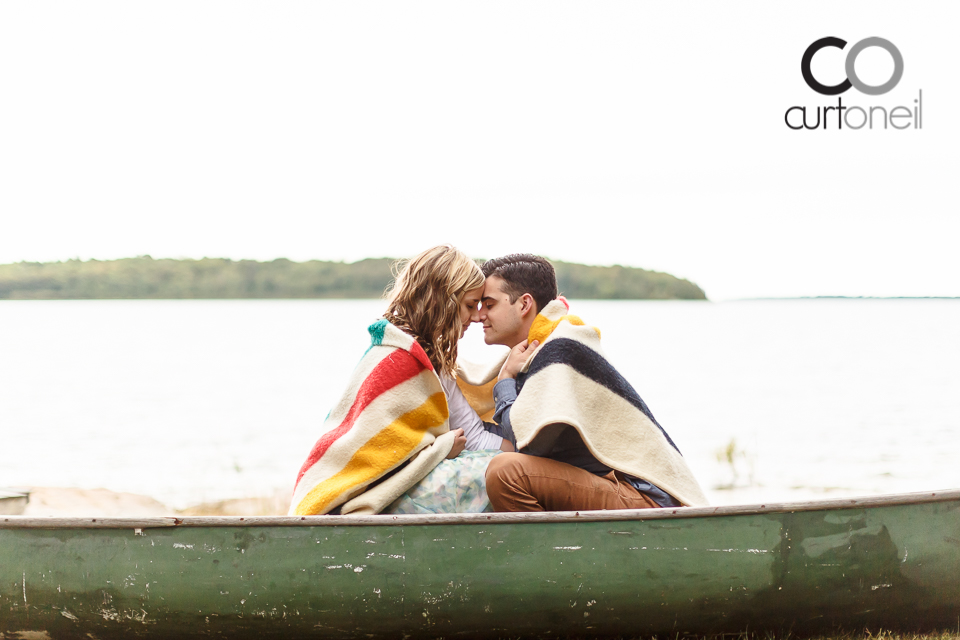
pixel 485 298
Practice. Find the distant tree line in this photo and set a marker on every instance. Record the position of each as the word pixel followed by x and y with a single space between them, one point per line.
pixel 144 277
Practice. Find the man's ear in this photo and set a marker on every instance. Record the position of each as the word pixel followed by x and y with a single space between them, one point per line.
pixel 527 305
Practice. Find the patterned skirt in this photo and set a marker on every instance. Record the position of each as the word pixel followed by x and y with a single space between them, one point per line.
pixel 454 486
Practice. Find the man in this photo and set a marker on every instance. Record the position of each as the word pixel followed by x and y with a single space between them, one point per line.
pixel 585 439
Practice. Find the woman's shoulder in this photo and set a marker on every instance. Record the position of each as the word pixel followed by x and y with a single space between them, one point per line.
pixel 449 384
pixel 384 333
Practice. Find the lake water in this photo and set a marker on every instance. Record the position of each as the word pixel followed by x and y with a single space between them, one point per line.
pixel 190 401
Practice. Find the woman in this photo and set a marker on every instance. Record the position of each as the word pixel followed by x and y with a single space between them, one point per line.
pixel 434 298
pixel 402 412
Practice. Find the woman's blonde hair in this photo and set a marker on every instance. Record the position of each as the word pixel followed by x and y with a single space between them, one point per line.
pixel 424 301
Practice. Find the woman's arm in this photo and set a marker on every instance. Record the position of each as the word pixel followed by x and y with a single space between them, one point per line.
pixel 462 416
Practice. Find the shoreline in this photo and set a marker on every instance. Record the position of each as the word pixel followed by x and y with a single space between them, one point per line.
pixel 69 502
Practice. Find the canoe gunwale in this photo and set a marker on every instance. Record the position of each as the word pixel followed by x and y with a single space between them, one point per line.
pixel 27 522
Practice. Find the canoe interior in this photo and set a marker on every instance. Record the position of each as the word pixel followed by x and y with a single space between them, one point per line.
pixel 877 563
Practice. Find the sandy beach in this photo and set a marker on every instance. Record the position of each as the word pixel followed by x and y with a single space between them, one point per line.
pixel 73 502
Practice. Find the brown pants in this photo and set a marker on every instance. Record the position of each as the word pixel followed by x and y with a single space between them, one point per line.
pixel 521 482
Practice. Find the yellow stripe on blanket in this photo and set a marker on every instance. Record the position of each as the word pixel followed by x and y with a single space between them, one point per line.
pixel 385 450
pixel 480 398
pixel 542 327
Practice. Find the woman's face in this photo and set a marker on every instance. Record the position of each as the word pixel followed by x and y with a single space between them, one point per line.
pixel 470 308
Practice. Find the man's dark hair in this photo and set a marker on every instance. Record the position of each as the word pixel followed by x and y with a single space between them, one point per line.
pixel 524 273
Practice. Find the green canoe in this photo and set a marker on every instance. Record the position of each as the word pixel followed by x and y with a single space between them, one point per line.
pixel 890 561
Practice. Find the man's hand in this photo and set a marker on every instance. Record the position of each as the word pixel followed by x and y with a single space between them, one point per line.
pixel 517 358
pixel 459 442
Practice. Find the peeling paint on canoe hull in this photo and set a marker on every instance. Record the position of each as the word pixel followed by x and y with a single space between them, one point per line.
pixel 888 565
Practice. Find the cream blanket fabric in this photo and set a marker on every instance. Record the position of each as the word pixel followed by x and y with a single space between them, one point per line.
pixel 569 381
pixel 389 429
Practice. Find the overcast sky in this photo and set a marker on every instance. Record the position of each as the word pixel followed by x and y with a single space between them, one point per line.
pixel 639 133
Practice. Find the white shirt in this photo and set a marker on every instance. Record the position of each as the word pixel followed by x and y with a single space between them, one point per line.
pixel 462 416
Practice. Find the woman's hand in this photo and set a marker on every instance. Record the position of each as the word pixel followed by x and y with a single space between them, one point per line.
pixel 459 442
pixel 517 358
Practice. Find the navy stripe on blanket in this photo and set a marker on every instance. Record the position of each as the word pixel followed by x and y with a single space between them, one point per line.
pixel 590 364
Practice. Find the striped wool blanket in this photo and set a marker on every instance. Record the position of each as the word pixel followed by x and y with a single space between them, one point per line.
pixel 389 429
pixel 568 380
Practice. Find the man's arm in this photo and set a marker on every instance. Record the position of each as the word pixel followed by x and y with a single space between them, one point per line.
pixel 505 394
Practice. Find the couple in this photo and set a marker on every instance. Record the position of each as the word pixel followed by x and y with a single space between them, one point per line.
pixel 573 432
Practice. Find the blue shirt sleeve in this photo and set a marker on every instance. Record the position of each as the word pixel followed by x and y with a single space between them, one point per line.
pixel 654 492
pixel 504 395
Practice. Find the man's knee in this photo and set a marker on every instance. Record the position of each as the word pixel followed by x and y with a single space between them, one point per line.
pixel 503 467
pixel 502 477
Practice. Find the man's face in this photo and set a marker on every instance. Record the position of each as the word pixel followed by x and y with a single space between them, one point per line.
pixel 502 321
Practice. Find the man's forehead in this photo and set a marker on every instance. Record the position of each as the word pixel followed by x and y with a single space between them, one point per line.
pixel 493 288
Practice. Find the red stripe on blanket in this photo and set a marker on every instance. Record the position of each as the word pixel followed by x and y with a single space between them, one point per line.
pixel 417 352
pixel 396 368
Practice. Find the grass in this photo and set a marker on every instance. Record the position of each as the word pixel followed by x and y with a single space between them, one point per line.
pixel 845 635
pixel 882 634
